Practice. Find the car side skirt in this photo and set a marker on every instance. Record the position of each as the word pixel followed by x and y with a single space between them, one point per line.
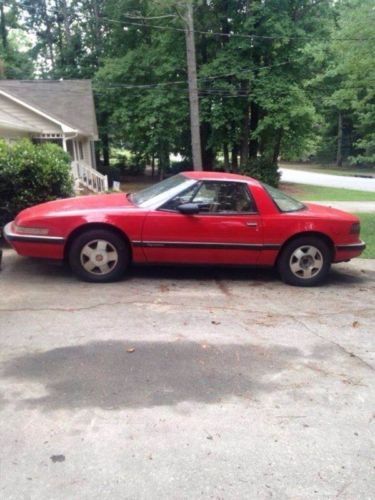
pixel 206 245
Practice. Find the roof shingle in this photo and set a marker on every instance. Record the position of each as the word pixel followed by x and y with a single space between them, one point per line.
pixel 68 101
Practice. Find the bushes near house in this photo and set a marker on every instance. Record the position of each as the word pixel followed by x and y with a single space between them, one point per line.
pixel 31 174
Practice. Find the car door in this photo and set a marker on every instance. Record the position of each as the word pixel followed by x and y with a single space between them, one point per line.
pixel 227 229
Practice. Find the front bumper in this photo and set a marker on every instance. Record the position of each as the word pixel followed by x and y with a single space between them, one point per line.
pixel 11 236
pixel 28 245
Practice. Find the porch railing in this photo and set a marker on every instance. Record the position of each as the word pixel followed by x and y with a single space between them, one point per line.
pixel 89 177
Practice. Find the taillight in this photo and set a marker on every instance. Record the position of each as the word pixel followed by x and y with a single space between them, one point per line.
pixel 356 228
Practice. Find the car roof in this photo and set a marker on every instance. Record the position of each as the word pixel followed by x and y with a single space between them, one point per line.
pixel 222 176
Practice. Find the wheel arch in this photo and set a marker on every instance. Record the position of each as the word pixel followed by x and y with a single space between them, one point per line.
pixel 95 225
pixel 303 234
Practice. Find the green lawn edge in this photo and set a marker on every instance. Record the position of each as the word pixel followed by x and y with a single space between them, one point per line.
pixel 308 192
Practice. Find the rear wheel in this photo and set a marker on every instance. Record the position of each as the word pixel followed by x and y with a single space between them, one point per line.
pixel 305 261
pixel 99 255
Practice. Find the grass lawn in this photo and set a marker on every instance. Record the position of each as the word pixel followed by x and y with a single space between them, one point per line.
pixel 326 169
pixel 368 234
pixel 306 192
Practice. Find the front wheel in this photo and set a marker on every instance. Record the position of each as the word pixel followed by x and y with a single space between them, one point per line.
pixel 305 261
pixel 99 255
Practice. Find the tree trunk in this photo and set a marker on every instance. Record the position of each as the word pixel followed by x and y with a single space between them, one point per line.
pixel 152 165
pixel 339 140
pixel 254 119
pixel 68 49
pixel 277 145
pixel 163 158
pixel 193 88
pixel 244 152
pixel 208 153
pixel 235 159
pixel 3 28
pixel 49 36
pixel 65 14
pixel 105 148
pixel 226 156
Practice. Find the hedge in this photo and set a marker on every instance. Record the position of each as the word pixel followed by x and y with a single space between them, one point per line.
pixel 31 174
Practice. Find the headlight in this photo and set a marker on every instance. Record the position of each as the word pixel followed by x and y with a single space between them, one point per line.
pixel 356 228
pixel 31 230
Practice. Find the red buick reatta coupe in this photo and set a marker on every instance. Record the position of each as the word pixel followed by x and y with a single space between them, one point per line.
pixel 192 218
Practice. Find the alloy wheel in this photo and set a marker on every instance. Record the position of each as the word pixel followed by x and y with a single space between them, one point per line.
pixel 98 257
pixel 306 261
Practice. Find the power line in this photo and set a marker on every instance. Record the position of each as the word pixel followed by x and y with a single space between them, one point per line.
pixel 130 16
pixel 232 35
pixel 202 78
pixel 238 93
pixel 215 33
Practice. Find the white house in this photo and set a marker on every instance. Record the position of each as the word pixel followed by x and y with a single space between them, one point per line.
pixel 59 111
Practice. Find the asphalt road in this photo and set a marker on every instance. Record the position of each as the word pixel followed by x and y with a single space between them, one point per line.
pixel 318 179
pixel 185 384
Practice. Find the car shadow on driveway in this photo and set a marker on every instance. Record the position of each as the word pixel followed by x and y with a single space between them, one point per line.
pixel 117 374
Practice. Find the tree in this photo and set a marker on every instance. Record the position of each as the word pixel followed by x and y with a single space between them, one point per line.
pixel 14 53
pixel 354 55
pixel 275 77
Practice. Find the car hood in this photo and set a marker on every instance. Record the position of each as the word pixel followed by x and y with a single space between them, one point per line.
pixel 77 205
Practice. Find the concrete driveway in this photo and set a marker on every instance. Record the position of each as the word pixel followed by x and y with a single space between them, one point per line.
pixel 185 384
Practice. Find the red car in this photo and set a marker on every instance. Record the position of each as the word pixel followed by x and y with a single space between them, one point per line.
pixel 191 218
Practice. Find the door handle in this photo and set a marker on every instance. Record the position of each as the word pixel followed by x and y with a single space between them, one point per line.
pixel 251 224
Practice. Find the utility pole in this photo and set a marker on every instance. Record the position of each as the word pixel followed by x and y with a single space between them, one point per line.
pixel 193 87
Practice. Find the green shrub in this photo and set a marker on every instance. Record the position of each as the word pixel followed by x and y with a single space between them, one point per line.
pixel 125 166
pixel 31 174
pixel 263 169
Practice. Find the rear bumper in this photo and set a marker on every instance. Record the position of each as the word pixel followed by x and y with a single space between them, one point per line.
pixel 352 247
pixel 349 251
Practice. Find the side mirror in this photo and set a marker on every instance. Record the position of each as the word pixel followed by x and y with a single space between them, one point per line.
pixel 188 208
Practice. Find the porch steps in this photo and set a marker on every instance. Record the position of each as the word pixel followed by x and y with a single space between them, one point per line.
pixel 87 178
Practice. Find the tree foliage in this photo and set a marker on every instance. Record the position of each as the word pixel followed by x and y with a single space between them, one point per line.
pixel 276 77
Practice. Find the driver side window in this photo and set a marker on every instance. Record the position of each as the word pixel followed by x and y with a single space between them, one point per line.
pixel 216 197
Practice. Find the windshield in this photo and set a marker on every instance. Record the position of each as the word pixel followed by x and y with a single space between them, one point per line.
pixel 284 202
pixel 157 191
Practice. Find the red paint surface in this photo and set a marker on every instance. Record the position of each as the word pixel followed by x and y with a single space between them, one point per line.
pixel 64 217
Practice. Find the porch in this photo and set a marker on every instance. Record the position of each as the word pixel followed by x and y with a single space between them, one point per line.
pixel 58 111
pixel 82 153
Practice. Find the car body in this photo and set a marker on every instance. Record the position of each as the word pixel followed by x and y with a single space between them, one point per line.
pixel 192 218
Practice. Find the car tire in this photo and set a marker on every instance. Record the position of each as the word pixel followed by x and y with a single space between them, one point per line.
pixel 305 261
pixel 99 256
